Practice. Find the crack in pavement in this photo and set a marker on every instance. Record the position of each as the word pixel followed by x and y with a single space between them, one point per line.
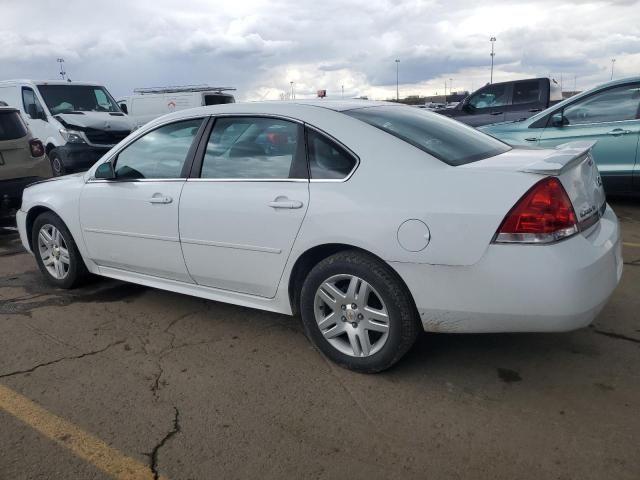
pixel 74 357
pixel 153 456
pixel 617 336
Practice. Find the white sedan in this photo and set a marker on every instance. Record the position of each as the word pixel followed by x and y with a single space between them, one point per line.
pixel 372 220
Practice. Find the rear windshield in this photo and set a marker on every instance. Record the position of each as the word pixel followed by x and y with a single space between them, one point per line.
pixel 11 126
pixel 446 139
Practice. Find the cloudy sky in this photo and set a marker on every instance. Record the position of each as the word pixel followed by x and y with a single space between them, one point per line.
pixel 260 46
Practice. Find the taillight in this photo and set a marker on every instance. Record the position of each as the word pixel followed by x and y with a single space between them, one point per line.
pixel 544 214
pixel 37 149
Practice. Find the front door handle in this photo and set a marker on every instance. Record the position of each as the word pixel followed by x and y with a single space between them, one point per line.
pixel 495 113
pixel 618 131
pixel 531 139
pixel 284 202
pixel 160 198
pixel 534 110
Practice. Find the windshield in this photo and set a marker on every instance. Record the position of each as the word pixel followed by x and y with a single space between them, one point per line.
pixel 77 98
pixel 448 140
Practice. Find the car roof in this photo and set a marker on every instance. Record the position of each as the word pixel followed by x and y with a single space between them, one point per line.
pixel 49 82
pixel 288 108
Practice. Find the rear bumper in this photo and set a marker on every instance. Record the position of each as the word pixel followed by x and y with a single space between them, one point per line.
pixel 521 288
pixel 11 191
pixel 79 157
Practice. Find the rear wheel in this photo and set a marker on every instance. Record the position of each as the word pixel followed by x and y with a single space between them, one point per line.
pixel 357 312
pixel 56 253
pixel 56 163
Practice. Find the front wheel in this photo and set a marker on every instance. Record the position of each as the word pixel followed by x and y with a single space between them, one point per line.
pixel 357 312
pixel 56 253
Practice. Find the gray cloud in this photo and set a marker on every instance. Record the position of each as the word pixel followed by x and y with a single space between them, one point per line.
pixel 259 46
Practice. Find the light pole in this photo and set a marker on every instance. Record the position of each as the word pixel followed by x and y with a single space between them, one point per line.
pixel 613 61
pixel 397 80
pixel 343 92
pixel 493 54
pixel 291 92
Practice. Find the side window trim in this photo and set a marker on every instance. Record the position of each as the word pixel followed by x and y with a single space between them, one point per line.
pixel 338 143
pixel 186 167
pixel 199 154
pixel 36 101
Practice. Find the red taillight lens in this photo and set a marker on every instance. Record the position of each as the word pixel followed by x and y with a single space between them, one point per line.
pixel 37 149
pixel 544 214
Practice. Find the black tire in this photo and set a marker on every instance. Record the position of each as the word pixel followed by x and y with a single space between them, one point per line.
pixel 57 167
pixel 77 271
pixel 404 324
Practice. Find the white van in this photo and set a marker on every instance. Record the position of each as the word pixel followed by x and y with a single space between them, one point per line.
pixel 77 122
pixel 149 103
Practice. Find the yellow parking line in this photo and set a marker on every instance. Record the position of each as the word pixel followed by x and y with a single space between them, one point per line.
pixel 629 244
pixel 80 443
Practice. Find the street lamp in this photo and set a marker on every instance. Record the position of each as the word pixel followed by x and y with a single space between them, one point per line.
pixel 397 80
pixel 493 54
pixel 613 61
pixel 291 97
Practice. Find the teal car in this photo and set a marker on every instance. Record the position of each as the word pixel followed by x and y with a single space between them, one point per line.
pixel 608 114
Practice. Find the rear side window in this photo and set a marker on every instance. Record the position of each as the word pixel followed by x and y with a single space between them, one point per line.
pixel 448 140
pixel 526 92
pixel 327 160
pixel 11 126
pixel 253 148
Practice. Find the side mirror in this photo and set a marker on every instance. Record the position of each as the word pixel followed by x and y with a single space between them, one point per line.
pixel 124 108
pixel 32 111
pixel 105 171
pixel 559 120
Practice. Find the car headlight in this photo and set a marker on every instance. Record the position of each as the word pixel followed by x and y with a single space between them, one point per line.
pixel 72 136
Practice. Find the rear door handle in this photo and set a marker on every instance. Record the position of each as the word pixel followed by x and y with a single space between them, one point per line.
pixel 531 139
pixel 284 202
pixel 495 113
pixel 160 198
pixel 618 131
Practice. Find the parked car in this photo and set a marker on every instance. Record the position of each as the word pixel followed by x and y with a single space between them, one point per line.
pixel 504 101
pixel 22 159
pixel 149 103
pixel 608 114
pixel 381 221
pixel 77 122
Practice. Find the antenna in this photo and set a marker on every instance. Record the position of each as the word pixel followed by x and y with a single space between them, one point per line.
pixel 61 62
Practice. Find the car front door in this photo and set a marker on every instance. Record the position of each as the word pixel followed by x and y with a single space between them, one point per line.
pixel 35 115
pixel 610 117
pixel 131 222
pixel 240 215
pixel 487 105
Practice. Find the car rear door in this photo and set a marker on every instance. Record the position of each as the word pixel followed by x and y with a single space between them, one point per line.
pixel 131 223
pixel 528 97
pixel 14 146
pixel 242 209
pixel 609 116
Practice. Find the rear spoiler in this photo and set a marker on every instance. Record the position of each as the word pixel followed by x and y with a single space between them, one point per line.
pixel 562 159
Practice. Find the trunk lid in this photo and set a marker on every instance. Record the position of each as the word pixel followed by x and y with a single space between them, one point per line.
pixel 572 163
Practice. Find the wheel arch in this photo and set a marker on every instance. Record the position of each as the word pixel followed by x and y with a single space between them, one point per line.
pixel 32 214
pixel 311 257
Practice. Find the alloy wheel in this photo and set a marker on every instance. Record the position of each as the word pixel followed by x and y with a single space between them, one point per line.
pixel 53 251
pixel 351 315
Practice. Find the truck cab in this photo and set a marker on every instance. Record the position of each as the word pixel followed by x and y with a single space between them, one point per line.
pixel 77 122
pixel 505 101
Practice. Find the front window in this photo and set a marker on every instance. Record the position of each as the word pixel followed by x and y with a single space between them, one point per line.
pixel 448 140
pixel 77 98
pixel 161 153
pixel 489 97
pixel 612 105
